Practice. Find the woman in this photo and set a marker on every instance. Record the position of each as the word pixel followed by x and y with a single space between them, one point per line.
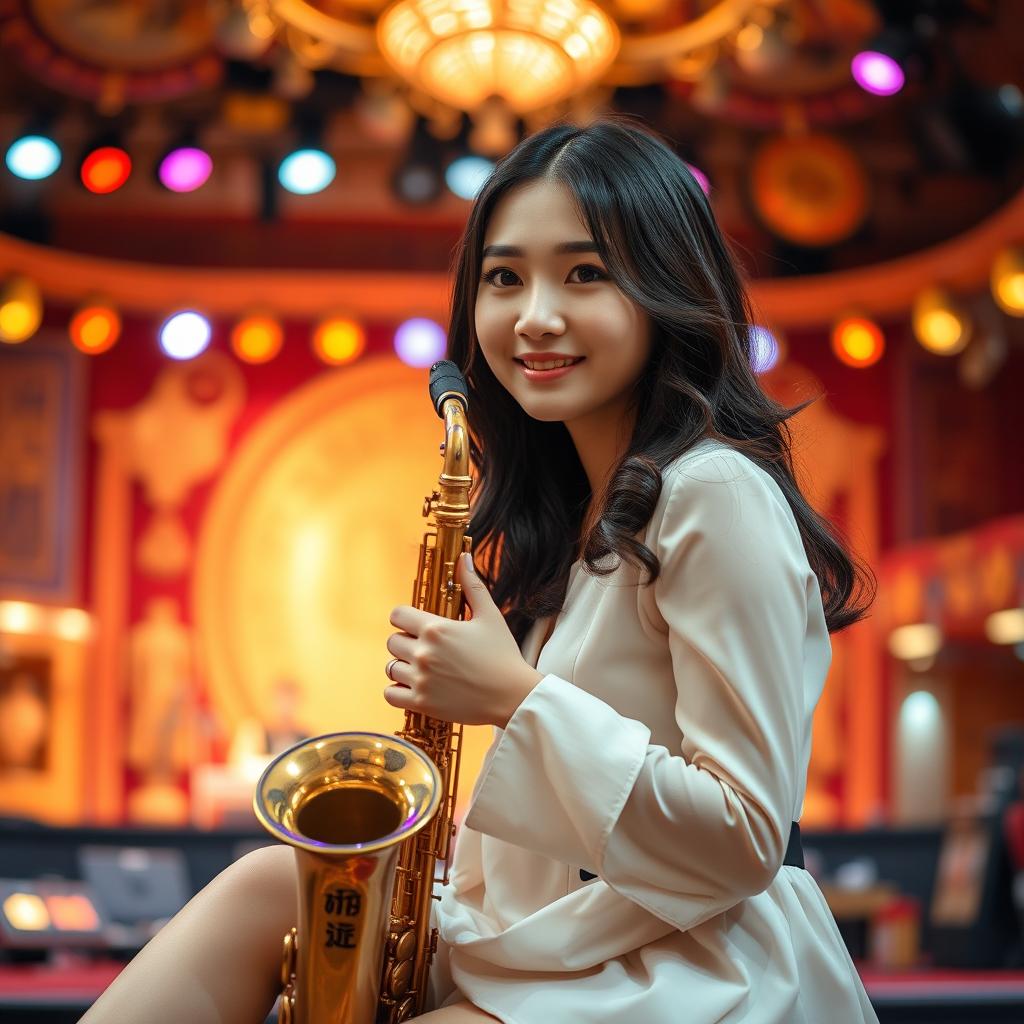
pixel 649 633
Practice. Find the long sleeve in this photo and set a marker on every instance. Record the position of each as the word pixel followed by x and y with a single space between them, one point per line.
pixel 685 833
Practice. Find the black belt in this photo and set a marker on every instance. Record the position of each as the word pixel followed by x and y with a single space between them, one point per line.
pixel 794 853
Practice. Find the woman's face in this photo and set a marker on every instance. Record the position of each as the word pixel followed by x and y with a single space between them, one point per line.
pixel 536 300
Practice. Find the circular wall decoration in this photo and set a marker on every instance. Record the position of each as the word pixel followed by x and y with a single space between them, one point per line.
pixel 810 190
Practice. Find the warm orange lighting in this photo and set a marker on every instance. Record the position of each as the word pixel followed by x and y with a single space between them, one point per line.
pixel 72 624
pixel 339 341
pixel 26 912
pixel 1008 280
pixel 21 310
pixel 106 169
pixel 257 339
pixel 857 341
pixel 94 328
pixel 940 325
pixel 20 617
pixel 532 53
pixel 72 912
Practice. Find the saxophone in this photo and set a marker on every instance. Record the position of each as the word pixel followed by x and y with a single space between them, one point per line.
pixel 370 815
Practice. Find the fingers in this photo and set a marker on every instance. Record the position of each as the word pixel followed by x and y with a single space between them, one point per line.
pixel 402 646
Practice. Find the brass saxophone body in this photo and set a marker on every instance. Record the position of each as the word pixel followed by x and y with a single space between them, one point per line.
pixel 370 815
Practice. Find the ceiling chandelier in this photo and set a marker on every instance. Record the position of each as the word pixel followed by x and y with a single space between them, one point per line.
pixel 527 54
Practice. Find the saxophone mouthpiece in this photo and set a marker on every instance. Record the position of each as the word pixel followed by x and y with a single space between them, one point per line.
pixel 446 381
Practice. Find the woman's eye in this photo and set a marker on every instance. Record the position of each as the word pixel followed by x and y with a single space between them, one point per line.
pixel 491 276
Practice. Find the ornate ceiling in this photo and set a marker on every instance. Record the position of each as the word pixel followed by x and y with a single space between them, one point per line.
pixel 808 173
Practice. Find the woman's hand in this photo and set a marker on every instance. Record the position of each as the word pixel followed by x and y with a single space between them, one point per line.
pixel 468 671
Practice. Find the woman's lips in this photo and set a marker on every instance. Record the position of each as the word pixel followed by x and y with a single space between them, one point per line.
pixel 543 375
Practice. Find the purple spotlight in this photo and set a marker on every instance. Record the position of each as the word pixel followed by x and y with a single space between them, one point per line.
pixel 877 73
pixel 420 342
pixel 702 179
pixel 185 169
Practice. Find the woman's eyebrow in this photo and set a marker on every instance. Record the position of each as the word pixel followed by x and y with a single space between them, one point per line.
pixel 514 250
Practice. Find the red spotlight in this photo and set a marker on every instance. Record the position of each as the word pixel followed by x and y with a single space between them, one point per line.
pixel 106 169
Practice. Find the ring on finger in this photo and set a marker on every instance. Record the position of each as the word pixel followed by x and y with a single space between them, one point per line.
pixel 391 664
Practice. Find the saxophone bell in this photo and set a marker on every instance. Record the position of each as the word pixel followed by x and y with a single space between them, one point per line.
pixel 345 802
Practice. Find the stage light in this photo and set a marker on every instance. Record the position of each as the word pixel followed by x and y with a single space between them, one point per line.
pixel 1005 627
pixel 339 340
pixel 857 341
pixel 1008 280
pixel 877 73
pixel 940 325
pixel 72 624
pixel 26 912
pixel 21 310
pixel 20 617
pixel 420 342
pixel 33 157
pixel 466 175
pixel 257 338
pixel 185 168
pixel 185 335
pixel 702 178
pixel 105 169
pixel 764 349
pixel 95 327
pixel 916 642
pixel 306 171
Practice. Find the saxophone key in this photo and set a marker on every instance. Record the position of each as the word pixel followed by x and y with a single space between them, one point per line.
pixel 399 978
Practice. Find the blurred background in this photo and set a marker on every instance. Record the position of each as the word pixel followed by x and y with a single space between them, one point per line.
pixel 225 237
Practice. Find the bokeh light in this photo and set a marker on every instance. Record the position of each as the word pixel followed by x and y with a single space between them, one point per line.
pixel 185 335
pixel 764 349
pixel 877 73
pixel 21 310
pixel 257 338
pixel 857 341
pixel 185 169
pixel 420 342
pixel 33 157
pixel 1008 280
pixel 306 171
pixel 106 169
pixel 466 175
pixel 339 340
pixel 95 327
pixel 940 325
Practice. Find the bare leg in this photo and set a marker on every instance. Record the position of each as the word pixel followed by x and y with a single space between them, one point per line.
pixel 218 961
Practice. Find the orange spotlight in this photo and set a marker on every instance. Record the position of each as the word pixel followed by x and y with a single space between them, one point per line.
pixel 1008 280
pixel 257 338
pixel 21 310
pixel 106 169
pixel 940 324
pixel 338 340
pixel 857 341
pixel 95 327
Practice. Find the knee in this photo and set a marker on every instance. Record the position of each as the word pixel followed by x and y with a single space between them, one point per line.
pixel 267 877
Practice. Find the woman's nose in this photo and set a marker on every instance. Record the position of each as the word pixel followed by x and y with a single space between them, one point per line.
pixel 540 313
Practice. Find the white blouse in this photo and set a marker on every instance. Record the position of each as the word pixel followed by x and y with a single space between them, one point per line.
pixel 665 752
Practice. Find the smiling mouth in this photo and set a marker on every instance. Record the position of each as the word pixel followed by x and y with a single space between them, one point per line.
pixel 549 364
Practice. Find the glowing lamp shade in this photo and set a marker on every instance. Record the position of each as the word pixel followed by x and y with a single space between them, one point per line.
pixel 33 157
pixel 420 342
pixel 106 169
pixel 1008 280
pixel 185 169
pixel 306 171
pixel 257 338
pixel 764 349
pixel 338 340
pixel 939 324
pixel 532 52
pixel 95 327
pixel 21 310
pixel 877 73
pixel 857 341
pixel 185 335
pixel 466 175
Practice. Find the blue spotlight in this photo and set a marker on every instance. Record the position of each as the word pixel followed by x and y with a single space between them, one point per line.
pixel 33 157
pixel 306 171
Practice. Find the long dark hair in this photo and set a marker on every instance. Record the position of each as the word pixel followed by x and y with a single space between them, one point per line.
pixel 663 249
